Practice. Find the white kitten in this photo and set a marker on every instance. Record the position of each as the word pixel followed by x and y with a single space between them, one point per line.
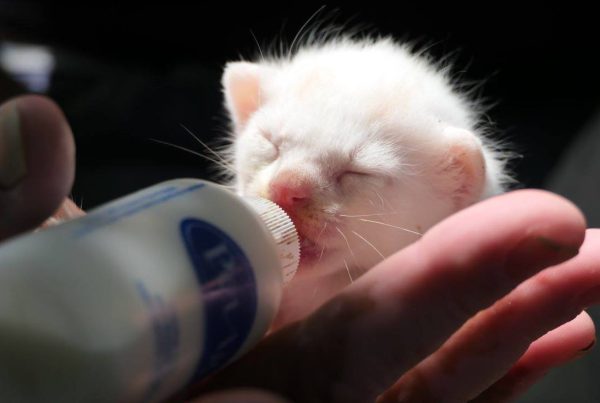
pixel 355 140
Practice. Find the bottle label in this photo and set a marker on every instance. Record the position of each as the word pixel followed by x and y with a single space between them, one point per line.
pixel 130 206
pixel 228 290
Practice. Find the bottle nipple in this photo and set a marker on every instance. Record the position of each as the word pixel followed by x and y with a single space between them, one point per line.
pixel 284 232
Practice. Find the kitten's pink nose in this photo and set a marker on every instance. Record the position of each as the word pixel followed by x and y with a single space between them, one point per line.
pixel 290 191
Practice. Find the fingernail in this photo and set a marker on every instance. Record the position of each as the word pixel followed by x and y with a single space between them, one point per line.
pixel 565 251
pixel 536 253
pixel 12 152
pixel 588 347
pixel 584 351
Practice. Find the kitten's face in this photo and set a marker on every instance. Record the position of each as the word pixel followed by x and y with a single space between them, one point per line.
pixel 361 165
pixel 335 177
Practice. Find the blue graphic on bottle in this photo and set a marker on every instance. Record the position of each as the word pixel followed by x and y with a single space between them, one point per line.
pixel 228 290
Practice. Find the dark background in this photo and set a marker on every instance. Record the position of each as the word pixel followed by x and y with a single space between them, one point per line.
pixel 126 74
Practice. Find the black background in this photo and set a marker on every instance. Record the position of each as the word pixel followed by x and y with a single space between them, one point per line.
pixel 127 74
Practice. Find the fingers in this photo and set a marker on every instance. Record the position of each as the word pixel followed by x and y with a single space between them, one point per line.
pixel 37 162
pixel 555 348
pixel 67 211
pixel 405 308
pixel 386 322
pixel 483 350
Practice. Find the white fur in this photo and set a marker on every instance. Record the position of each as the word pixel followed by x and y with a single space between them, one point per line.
pixel 374 129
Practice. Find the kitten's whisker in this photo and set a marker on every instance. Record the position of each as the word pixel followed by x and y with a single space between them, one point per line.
pixel 348 270
pixel 321 255
pixel 380 199
pixel 321 233
pixel 317 241
pixel 369 243
pixel 390 225
pixel 384 202
pixel 262 56
pixel 351 253
pixel 203 144
pixel 347 243
pixel 365 215
pixel 301 32
pixel 219 163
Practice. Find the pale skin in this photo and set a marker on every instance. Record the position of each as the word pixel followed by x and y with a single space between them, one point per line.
pixel 478 309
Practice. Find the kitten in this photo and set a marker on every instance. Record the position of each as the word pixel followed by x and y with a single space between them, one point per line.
pixel 365 144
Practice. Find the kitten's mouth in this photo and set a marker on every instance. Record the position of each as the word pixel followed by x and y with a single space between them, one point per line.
pixel 310 252
pixel 313 244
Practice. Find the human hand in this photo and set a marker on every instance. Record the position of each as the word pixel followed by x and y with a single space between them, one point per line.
pixel 412 320
pixel 37 165
pixel 461 315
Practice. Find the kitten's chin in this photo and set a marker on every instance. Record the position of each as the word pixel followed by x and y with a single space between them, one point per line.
pixel 310 252
pixel 315 259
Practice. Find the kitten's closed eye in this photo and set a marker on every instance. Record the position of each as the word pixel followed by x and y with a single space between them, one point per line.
pixel 351 174
pixel 269 149
pixel 266 135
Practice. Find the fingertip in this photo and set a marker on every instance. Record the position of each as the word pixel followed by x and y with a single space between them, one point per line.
pixel 528 230
pixel 570 224
pixel 49 157
pixel 570 341
pixel 526 207
pixel 586 332
pixel 50 149
pixel 47 133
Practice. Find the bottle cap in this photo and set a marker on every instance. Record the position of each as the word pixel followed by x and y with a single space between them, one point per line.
pixel 283 230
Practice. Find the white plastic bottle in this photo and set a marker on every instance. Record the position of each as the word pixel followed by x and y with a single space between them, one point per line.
pixel 141 296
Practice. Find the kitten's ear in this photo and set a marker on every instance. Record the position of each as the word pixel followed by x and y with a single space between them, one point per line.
pixel 464 165
pixel 241 83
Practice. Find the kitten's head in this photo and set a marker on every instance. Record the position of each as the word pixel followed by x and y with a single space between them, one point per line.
pixel 355 140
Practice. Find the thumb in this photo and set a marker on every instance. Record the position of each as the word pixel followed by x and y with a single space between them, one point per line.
pixel 37 162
